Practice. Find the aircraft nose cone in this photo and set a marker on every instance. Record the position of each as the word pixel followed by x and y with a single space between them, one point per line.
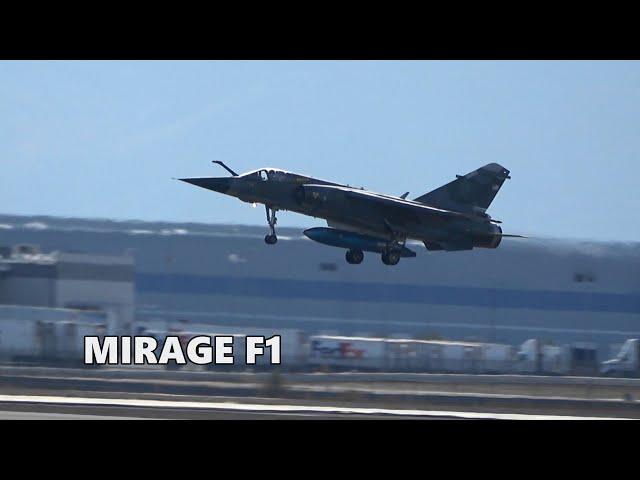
pixel 221 185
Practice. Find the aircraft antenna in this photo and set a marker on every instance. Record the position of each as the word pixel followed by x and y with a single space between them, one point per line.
pixel 221 163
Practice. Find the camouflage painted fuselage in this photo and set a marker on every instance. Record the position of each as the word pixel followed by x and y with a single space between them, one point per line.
pixel 451 217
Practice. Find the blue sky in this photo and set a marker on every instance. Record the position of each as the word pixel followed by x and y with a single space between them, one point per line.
pixel 104 139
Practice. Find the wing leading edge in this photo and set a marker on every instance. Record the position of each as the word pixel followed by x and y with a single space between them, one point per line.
pixel 389 201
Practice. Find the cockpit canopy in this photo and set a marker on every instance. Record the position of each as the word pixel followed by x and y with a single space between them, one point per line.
pixel 267 174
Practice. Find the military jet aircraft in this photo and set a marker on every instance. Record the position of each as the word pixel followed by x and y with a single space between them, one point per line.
pixel 452 217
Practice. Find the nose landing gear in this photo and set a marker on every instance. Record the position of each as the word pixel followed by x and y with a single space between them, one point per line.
pixel 271 238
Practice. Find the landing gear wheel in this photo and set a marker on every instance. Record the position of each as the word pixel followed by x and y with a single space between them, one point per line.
pixel 391 258
pixel 354 257
pixel 270 239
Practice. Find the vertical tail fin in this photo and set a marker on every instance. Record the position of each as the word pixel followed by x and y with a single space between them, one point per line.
pixel 471 192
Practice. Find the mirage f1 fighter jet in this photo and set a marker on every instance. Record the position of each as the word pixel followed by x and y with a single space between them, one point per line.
pixel 452 217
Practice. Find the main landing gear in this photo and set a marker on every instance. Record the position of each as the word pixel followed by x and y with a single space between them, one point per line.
pixel 391 254
pixel 354 256
pixel 271 238
pixel 391 257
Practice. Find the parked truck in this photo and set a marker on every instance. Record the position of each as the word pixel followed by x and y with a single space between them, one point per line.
pixel 626 363
pixel 537 357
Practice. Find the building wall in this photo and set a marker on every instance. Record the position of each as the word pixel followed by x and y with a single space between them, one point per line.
pixel 117 297
pixel 72 280
pixel 27 291
pixel 98 281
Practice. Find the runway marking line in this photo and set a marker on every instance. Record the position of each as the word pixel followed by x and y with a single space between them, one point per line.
pixel 257 407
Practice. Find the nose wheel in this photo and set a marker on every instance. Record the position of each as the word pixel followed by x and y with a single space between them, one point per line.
pixel 271 238
pixel 354 257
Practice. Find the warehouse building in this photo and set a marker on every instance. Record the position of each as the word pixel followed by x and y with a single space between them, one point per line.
pixel 71 281
pixel 558 291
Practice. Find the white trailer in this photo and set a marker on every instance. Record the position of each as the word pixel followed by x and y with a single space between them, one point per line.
pixel 555 359
pixel 30 339
pixel 292 352
pixel 70 339
pixel 359 353
pixel 18 338
pixel 497 358
pixel 444 356
pixel 396 354
pixel 405 355
pixel 536 357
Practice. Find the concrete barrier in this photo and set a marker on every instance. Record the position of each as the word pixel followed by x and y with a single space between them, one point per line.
pixel 351 377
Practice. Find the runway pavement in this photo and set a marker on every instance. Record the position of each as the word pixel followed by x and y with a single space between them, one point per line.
pixel 41 407
pixel 20 415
